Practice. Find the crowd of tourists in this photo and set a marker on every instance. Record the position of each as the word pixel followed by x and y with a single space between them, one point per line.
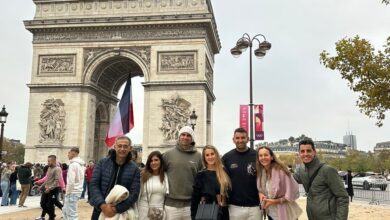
pixel 186 184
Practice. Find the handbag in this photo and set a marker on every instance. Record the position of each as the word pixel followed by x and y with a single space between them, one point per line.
pixel 293 210
pixel 207 211
pixel 18 186
pixel 155 213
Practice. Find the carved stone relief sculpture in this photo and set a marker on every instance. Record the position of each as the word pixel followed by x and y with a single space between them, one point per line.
pixel 174 61
pixel 176 112
pixel 56 65
pixel 52 122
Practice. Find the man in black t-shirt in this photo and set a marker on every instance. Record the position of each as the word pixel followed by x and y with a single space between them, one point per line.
pixel 240 164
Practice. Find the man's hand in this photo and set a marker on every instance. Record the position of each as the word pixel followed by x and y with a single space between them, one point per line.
pixel 108 210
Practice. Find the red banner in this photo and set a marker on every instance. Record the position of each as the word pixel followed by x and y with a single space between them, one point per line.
pixel 244 117
pixel 259 119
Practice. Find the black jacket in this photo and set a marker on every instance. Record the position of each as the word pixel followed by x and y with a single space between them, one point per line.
pixel 103 177
pixel 24 175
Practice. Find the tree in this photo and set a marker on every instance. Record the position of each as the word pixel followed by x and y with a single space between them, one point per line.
pixel 288 159
pixel 15 152
pixel 291 140
pixel 367 72
pixel 301 138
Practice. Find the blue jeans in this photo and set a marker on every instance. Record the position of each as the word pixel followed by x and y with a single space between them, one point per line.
pixel 14 194
pixel 5 190
pixel 84 189
pixel 69 211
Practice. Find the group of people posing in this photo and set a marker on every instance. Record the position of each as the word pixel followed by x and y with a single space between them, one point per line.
pixel 245 183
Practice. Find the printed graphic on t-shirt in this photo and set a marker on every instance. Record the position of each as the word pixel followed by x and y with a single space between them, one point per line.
pixel 251 169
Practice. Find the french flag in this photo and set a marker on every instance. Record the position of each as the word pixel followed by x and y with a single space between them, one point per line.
pixel 123 120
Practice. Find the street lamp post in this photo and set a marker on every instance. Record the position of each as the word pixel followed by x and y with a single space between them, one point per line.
pixel 193 118
pixel 242 44
pixel 3 120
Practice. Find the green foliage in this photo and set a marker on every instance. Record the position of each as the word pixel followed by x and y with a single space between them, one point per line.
pixel 386 2
pixel 288 159
pixel 15 152
pixel 367 72
pixel 362 162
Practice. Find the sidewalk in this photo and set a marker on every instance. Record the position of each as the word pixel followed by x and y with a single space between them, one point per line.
pixel 33 210
pixel 32 202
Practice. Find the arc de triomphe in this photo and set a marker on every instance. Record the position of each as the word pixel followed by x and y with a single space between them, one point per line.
pixel 84 50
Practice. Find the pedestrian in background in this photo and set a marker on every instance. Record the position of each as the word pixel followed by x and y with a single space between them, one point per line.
pixel 88 177
pixel 5 183
pixel 74 186
pixel 14 193
pixel 51 187
pixel 24 175
pixel 348 182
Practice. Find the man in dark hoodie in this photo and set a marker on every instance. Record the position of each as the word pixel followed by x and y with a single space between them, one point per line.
pixel 183 163
pixel 327 198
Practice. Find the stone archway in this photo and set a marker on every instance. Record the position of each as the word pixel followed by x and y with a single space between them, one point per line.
pixel 107 69
pixel 83 51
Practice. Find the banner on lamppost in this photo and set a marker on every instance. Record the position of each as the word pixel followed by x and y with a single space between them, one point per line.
pixel 244 117
pixel 259 119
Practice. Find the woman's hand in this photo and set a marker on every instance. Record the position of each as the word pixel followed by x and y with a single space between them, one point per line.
pixel 268 202
pixel 262 197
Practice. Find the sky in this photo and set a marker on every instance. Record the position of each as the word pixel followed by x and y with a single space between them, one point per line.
pixel 300 95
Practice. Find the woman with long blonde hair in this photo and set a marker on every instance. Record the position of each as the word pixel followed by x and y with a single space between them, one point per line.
pixel 212 184
pixel 277 188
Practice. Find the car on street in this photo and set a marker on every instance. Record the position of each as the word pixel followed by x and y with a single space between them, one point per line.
pixel 370 180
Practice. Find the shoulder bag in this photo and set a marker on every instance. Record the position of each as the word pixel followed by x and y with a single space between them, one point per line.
pixel 207 211
pixel 18 185
pixel 154 213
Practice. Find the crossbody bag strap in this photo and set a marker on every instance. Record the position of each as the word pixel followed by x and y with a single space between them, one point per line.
pixel 314 176
pixel 147 194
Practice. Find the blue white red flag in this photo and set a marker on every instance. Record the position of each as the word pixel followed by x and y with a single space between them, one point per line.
pixel 123 120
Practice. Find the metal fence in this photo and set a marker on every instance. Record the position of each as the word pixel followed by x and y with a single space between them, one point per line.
pixel 374 196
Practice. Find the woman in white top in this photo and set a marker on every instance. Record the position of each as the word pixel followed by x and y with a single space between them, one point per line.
pixel 154 185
